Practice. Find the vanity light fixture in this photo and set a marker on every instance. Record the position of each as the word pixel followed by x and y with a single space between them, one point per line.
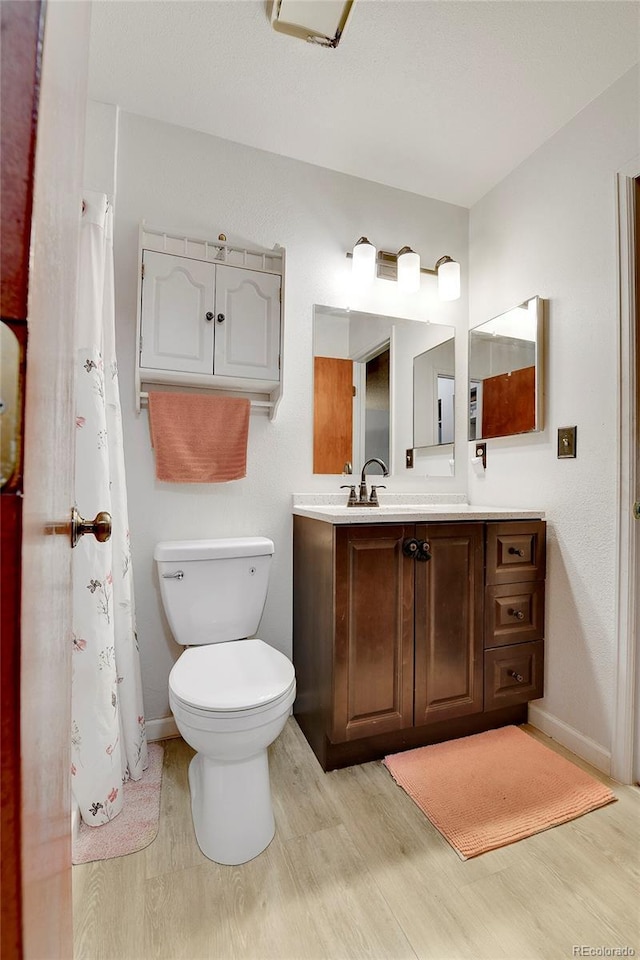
pixel 404 267
pixel 408 269
pixel 363 268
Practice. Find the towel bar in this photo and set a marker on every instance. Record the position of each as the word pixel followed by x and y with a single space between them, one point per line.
pixel 256 404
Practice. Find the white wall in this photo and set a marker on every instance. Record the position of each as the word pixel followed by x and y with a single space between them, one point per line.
pixel 179 179
pixel 101 148
pixel 549 229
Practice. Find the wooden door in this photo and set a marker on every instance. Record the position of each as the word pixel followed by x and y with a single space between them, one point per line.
pixel 247 324
pixel 332 414
pixel 509 403
pixel 449 622
pixel 177 295
pixel 39 297
pixel 373 655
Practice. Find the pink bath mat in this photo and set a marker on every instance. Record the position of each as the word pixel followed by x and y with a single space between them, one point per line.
pixel 135 826
pixel 491 789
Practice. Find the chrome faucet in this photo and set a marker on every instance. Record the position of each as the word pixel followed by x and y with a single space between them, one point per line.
pixel 364 500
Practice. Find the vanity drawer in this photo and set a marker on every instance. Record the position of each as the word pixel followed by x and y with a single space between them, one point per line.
pixel 516 551
pixel 513 674
pixel 513 613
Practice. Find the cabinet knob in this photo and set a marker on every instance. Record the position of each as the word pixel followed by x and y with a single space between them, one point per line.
pixel 220 318
pixel 423 551
pixel 410 547
pixel 518 614
pixel 516 551
pixel 516 676
pixel 208 316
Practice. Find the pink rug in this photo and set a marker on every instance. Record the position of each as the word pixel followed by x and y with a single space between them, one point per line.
pixel 491 789
pixel 135 826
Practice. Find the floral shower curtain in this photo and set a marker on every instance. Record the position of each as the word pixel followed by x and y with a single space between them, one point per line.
pixel 108 734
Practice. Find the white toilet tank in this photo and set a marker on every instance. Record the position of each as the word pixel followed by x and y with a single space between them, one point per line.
pixel 214 590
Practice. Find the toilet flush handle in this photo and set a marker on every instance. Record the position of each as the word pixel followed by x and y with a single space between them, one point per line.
pixel 178 575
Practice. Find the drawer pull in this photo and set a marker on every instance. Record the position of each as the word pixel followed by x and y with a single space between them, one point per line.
pixel 518 614
pixel 516 551
pixel 516 676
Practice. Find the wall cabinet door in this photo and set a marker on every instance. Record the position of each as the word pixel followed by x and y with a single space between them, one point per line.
pixel 247 334
pixel 373 649
pixel 207 318
pixel 449 622
pixel 177 295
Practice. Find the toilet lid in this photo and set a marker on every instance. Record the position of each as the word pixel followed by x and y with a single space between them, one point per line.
pixel 236 675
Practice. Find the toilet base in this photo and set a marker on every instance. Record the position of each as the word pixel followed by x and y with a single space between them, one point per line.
pixel 231 807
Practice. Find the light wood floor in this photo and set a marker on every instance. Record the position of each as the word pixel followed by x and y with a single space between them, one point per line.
pixel 356 871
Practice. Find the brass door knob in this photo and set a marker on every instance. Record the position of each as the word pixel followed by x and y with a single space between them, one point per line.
pixel 100 526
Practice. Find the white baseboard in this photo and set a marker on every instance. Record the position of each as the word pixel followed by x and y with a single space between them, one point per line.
pixel 570 738
pixel 162 729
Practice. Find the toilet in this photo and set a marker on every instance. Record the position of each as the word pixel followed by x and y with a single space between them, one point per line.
pixel 230 696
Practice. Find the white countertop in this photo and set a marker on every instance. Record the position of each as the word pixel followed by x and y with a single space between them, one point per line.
pixel 404 509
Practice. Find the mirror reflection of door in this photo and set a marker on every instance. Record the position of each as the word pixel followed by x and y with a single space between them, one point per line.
pixel 509 403
pixel 446 408
pixel 376 407
pixel 475 410
pixel 332 414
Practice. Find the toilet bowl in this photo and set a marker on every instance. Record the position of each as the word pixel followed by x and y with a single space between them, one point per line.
pixel 230 696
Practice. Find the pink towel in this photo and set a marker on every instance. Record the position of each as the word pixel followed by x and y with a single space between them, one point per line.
pixel 197 438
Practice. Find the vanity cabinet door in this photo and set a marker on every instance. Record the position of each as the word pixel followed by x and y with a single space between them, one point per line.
pixel 449 622
pixel 177 296
pixel 247 324
pixel 373 647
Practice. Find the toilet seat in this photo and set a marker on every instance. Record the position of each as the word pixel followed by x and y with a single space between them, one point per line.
pixel 231 678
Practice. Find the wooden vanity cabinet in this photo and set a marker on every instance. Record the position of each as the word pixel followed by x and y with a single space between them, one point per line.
pixel 390 652
pixel 407 633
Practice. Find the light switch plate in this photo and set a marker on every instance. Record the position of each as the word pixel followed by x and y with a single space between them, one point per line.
pixel 566 442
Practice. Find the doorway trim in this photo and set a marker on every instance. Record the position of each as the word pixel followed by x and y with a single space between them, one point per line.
pixel 626 703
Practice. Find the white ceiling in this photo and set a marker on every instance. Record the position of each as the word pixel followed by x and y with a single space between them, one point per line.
pixel 439 97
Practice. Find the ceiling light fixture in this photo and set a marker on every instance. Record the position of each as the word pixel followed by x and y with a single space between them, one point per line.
pixel 317 21
pixel 404 267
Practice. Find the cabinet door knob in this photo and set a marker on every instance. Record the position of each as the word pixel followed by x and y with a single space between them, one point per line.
pixel 423 551
pixel 516 676
pixel 208 316
pixel 220 318
pixel 410 547
pixel 518 614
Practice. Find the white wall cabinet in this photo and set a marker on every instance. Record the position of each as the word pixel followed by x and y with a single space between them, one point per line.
pixel 210 318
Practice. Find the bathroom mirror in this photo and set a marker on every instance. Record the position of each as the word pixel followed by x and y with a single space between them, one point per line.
pixel 434 392
pixel 367 387
pixel 506 362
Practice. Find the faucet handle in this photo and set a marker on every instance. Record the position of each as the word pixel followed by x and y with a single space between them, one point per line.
pixel 352 493
pixel 374 495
